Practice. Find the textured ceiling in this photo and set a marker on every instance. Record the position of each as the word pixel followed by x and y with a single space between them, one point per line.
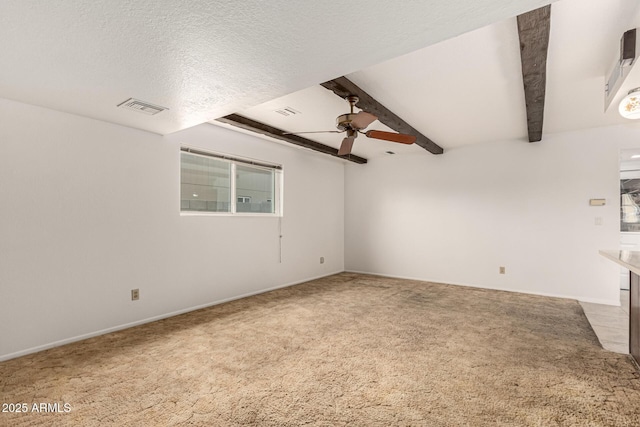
pixel 203 59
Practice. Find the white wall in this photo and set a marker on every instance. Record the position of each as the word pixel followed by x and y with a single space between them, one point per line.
pixel 90 210
pixel 456 218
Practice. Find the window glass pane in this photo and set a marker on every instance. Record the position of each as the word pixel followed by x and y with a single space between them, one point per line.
pixel 204 184
pixel 255 188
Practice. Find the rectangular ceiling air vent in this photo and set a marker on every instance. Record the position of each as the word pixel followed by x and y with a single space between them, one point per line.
pixel 141 106
pixel 287 111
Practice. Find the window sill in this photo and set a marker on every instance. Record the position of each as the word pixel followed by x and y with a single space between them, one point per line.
pixel 238 214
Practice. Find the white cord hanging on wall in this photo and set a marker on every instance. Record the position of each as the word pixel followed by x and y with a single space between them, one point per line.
pixel 280 237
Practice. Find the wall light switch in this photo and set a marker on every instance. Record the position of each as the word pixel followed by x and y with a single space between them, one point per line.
pixel 597 202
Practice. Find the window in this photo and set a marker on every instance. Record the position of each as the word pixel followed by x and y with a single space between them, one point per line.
pixel 257 186
pixel 204 184
pixel 213 183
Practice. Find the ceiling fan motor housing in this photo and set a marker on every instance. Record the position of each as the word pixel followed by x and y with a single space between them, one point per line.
pixel 343 122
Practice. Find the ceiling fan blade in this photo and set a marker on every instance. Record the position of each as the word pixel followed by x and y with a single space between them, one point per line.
pixel 345 148
pixel 363 119
pixel 390 136
pixel 318 131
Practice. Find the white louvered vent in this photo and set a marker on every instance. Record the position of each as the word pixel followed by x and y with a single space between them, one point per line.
pixel 287 111
pixel 141 107
pixel 629 50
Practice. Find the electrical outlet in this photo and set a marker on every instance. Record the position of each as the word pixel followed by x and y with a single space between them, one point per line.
pixel 135 294
pixel 321 260
pixel 502 270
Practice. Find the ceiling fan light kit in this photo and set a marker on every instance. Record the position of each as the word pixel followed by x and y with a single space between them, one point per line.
pixel 630 105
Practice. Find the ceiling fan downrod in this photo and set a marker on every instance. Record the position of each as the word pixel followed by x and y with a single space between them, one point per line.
pixel 353 100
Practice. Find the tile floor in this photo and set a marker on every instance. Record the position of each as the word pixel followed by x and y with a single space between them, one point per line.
pixel 611 324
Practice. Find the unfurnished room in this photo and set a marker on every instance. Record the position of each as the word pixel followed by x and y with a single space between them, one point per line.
pixel 330 213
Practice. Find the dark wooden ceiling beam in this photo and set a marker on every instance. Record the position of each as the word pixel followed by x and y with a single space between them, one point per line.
pixel 533 31
pixel 344 87
pixel 264 129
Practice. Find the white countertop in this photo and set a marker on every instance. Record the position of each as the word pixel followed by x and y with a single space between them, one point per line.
pixel 628 259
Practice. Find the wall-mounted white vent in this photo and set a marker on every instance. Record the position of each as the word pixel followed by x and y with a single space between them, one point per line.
pixel 629 50
pixel 141 106
pixel 287 111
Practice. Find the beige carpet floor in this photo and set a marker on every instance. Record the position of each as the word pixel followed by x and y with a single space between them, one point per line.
pixel 346 350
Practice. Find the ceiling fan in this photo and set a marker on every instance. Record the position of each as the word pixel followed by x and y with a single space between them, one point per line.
pixel 354 123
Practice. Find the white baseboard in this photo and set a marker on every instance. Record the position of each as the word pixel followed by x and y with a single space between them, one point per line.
pixel 544 294
pixel 149 320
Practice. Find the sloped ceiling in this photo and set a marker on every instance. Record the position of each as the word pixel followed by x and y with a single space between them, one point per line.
pixel 204 59
pixel 468 89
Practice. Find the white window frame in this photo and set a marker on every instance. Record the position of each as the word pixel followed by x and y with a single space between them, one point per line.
pixel 278 177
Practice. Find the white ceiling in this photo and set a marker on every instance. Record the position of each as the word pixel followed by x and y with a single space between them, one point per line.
pixel 205 58
pixel 449 68
pixel 468 89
